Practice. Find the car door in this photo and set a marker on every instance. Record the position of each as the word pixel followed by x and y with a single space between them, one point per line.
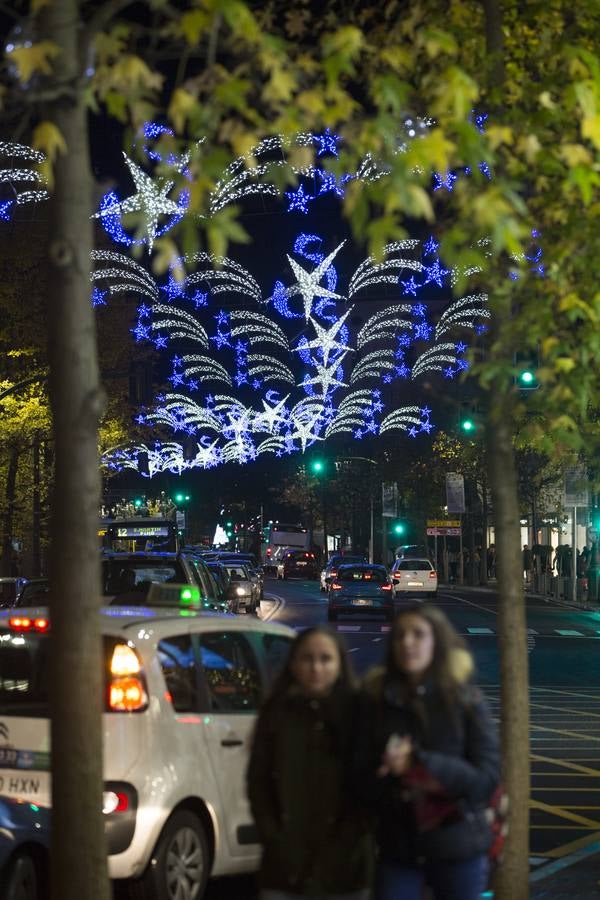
pixel 232 686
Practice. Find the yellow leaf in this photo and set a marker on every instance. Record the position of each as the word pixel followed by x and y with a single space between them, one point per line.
pixel 193 24
pixel 575 154
pixel 180 108
pixel 590 128
pixel 36 5
pixel 36 58
pixel 48 138
pixel 565 364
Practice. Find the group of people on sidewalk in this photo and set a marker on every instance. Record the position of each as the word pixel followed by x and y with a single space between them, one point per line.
pixel 381 790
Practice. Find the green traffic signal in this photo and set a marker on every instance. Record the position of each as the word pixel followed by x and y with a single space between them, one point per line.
pixel 179 498
pixel 317 466
pixel 399 528
pixel 527 380
pixel 138 502
pixel 468 425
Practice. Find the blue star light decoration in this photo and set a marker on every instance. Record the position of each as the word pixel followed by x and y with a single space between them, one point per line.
pixel 410 287
pixel 298 200
pixel 327 142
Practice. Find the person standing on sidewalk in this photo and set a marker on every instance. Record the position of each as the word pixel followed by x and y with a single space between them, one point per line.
pixel 316 841
pixel 428 761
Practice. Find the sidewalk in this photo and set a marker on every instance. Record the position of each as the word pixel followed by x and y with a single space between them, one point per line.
pixel 574 877
pixel 491 588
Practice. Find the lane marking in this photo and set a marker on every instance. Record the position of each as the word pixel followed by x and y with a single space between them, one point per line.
pixel 480 631
pixel 573 846
pixel 569 858
pixel 568 632
pixel 573 712
pixel 353 649
pixel 376 639
pixel 574 734
pixel 349 627
pixel 580 694
pixel 562 813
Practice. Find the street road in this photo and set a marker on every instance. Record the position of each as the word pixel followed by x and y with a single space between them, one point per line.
pixel 564 656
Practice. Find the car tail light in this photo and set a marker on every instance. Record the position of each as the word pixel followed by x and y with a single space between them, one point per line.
pixel 269 551
pixel 433 574
pixel 126 691
pixel 396 576
pixel 25 623
pixel 114 802
pixel 333 573
pixel 386 587
pixel 336 587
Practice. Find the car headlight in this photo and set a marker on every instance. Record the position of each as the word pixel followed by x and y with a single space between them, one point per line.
pixel 240 591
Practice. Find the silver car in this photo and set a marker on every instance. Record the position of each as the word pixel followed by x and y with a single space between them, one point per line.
pixel 245 591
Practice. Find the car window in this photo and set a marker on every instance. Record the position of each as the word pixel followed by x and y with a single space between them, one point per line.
pixel 34 595
pixel 415 565
pixel 124 576
pixel 237 573
pixel 230 671
pixel 176 657
pixel 362 575
pixel 276 648
pixel 204 579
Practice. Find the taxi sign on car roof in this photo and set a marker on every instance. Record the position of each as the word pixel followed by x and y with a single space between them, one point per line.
pixel 179 595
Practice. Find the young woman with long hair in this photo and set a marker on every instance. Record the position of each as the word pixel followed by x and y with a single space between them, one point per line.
pixel 315 840
pixel 427 762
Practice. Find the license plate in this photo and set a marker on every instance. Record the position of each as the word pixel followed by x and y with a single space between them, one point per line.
pixel 33 787
pixel 415 584
pixel 360 601
pixel 301 564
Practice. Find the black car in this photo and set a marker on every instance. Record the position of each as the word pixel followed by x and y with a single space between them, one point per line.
pixel 24 850
pixel 297 564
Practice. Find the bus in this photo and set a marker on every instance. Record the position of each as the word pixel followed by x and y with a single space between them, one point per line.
pixel 139 535
pixel 281 534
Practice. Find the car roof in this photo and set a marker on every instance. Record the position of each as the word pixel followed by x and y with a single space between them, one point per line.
pixel 413 559
pixel 363 565
pixel 122 619
pixel 143 555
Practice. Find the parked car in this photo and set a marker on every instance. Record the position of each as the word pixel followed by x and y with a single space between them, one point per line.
pixel 183 689
pixel 360 588
pixel 297 564
pixel 24 850
pixel 414 576
pixel 330 570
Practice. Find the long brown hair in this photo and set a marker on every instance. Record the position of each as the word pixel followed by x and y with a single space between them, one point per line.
pixel 285 680
pixel 452 664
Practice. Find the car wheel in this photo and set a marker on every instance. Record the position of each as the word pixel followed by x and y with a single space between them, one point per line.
pixel 179 866
pixel 21 879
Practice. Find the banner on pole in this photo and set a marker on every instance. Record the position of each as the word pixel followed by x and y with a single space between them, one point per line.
pixel 455 492
pixel 389 499
pixel 576 487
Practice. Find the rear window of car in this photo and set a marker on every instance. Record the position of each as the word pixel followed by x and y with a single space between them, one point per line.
pixel 415 565
pixel 349 574
pixel 25 672
pixel 135 576
pixel 34 595
pixel 345 560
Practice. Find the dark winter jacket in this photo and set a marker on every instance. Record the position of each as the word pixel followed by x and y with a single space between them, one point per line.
pixel 437 811
pixel 314 838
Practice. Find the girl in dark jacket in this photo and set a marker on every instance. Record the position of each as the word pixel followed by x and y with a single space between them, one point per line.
pixel 315 842
pixel 428 762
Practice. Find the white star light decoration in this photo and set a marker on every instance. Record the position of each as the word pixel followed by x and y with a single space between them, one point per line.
pixel 149 199
pixel 307 283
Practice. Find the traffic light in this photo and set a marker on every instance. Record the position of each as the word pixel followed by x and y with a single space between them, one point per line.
pixel 229 529
pixel 469 417
pixel 181 497
pixel 526 366
pixel 468 425
pixel 138 502
pixel 317 466
pixel 399 528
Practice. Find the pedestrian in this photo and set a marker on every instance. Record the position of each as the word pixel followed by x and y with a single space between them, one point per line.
pixel 427 762
pixel 453 562
pixel 316 840
pixel 527 562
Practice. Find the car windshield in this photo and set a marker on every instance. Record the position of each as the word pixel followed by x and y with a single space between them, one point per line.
pixel 237 573
pixel 415 565
pixel 133 577
pixel 349 574
pixel 34 594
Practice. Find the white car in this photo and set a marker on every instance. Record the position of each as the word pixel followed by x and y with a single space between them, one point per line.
pixel 414 576
pixel 181 699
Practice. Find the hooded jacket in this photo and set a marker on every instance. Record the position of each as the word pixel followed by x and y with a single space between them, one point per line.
pixel 437 810
pixel 315 840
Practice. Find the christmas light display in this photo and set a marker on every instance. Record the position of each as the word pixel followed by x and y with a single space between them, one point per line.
pixel 13 177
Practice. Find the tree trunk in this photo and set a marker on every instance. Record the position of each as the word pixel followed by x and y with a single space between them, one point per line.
pixel 36 510
pixel 9 512
pixel 513 876
pixel 79 867
pixel 483 570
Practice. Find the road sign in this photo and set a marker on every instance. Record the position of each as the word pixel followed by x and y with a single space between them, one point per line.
pixel 576 487
pixel 455 492
pixel 444 532
pixel 443 523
